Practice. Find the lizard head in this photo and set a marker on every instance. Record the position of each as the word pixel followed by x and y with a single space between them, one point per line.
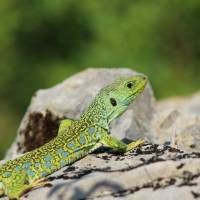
pixel 120 94
pixel 114 99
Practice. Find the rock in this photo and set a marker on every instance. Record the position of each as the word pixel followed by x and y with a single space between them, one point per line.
pixel 189 104
pixel 149 172
pixel 170 170
pixel 177 120
pixel 69 99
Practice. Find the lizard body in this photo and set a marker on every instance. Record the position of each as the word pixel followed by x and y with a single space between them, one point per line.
pixel 75 139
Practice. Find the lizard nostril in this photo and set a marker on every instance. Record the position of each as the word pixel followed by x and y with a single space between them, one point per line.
pixel 144 78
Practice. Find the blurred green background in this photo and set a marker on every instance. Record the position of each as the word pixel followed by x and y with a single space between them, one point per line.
pixel 42 42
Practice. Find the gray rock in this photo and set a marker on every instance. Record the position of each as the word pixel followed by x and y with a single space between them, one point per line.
pixel 69 99
pixel 151 172
pixel 158 172
pixel 177 120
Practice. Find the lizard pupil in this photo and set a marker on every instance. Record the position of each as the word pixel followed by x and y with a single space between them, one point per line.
pixel 130 85
pixel 113 101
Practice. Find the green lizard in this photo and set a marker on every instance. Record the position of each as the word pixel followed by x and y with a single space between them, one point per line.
pixel 75 139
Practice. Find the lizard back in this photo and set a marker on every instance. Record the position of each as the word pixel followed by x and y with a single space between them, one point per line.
pixel 60 151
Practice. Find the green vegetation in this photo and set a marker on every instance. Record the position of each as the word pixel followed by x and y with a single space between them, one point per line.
pixel 43 42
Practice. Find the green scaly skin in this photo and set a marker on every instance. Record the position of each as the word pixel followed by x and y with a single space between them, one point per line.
pixel 75 139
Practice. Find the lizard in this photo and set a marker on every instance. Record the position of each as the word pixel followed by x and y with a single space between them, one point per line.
pixel 75 139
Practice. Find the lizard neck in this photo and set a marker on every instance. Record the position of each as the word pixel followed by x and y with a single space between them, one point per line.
pixel 96 115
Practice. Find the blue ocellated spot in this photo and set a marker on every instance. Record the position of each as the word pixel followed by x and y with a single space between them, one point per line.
pixel 27 165
pixel 43 174
pixel 71 144
pixel 91 130
pixel 48 165
pixel 82 139
pixel 65 154
pixel 17 167
pixel 47 157
pixel 37 164
pixel 59 151
pixel 7 174
pixel 63 163
pixel 30 173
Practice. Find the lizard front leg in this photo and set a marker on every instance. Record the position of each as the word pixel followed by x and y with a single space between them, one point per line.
pixel 117 145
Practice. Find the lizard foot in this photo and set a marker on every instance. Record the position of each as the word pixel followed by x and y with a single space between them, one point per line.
pixel 41 182
pixel 134 144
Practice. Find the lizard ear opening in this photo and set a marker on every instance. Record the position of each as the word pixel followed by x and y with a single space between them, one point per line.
pixel 113 101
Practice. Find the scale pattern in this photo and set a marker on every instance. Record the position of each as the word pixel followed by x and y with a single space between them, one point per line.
pixel 61 151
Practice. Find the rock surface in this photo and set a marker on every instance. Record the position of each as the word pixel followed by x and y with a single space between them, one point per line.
pixel 149 172
pixel 177 120
pixel 160 172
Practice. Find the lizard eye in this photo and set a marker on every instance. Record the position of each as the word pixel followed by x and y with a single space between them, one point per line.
pixel 113 101
pixel 130 85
